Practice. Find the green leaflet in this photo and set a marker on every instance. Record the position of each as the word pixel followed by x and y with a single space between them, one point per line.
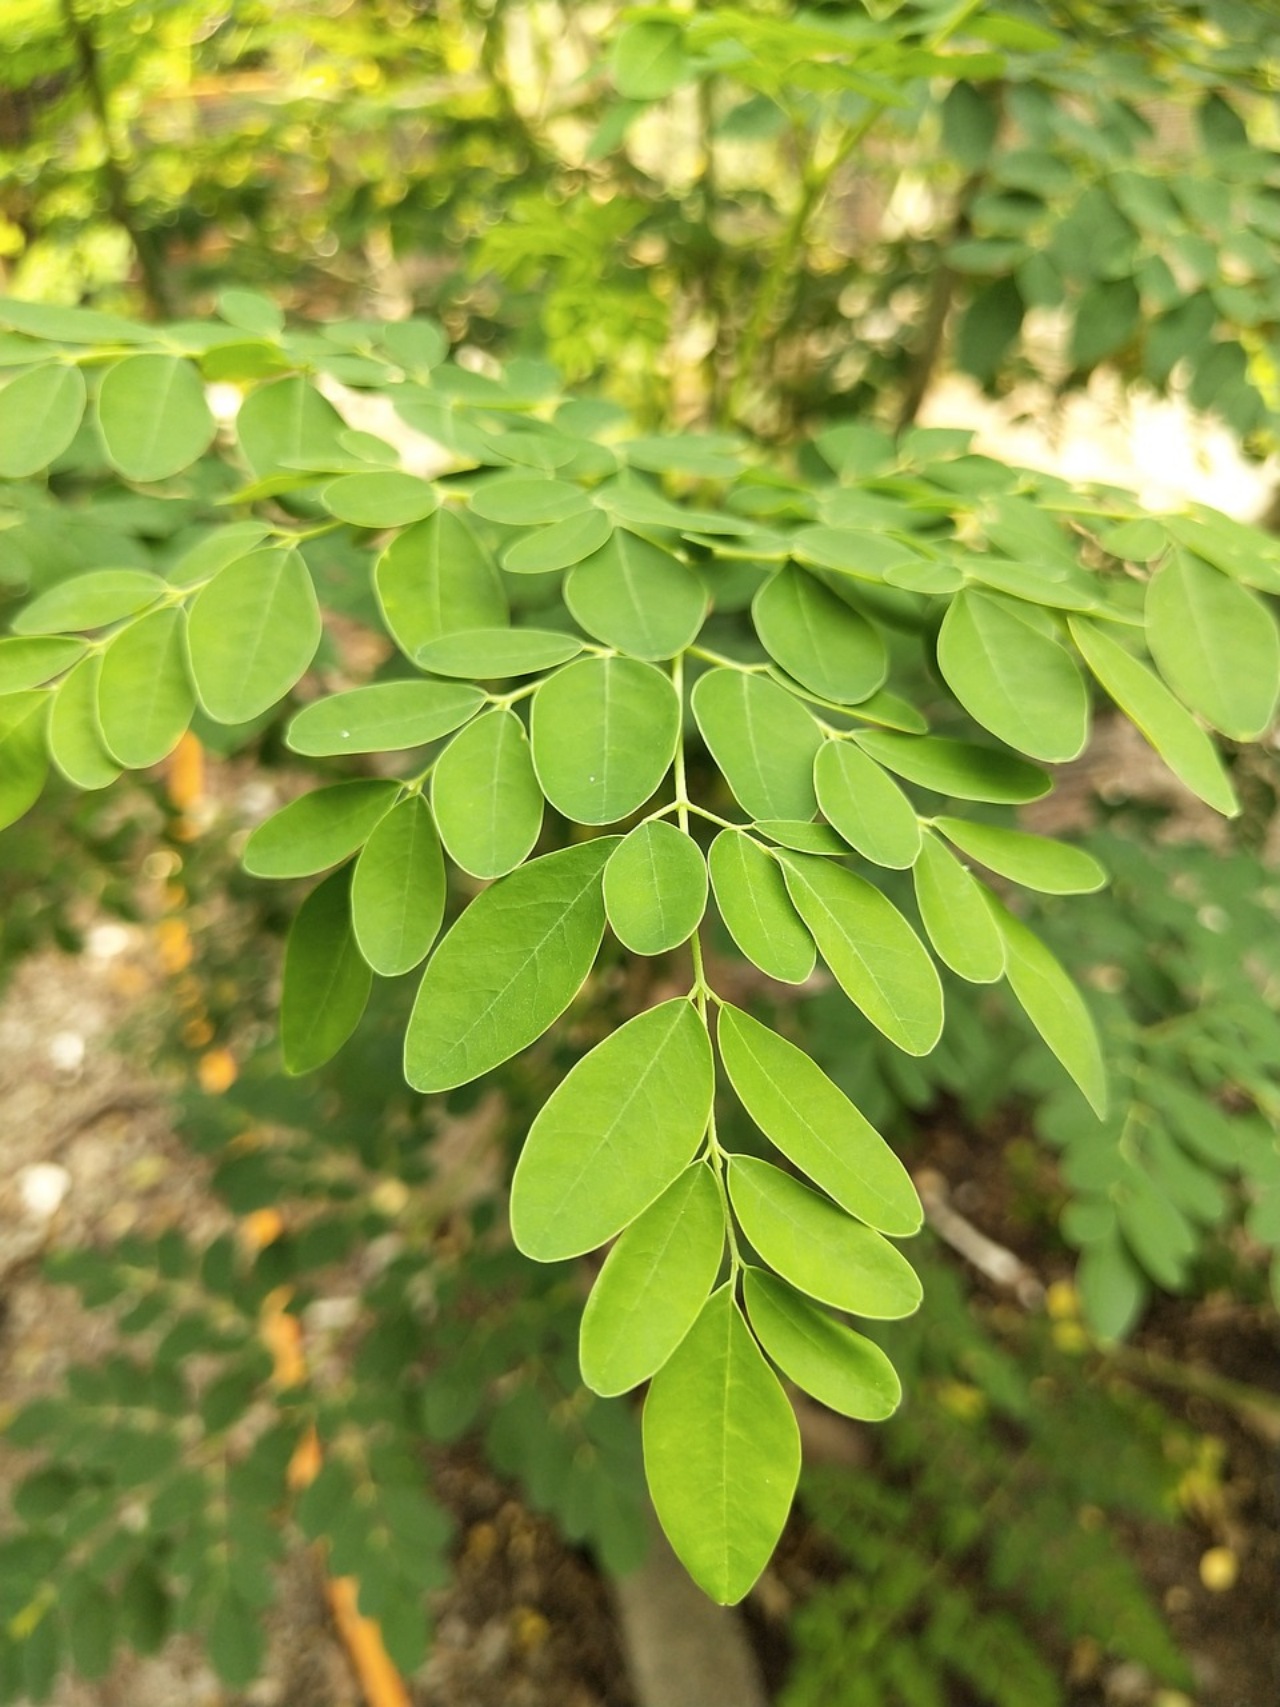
pixel 757 911
pixel 851 551
pixel 653 1284
pixel 721 1452
pixel 956 917
pixel 508 968
pixel 435 579
pixel 523 500
pixel 40 414
pixel 75 732
pixel 637 597
pixel 1215 643
pixel 145 697
pixel 823 1252
pixel 648 59
pixel 252 632
pixel 615 1133
pixel 655 888
pixel 250 311
pixel 485 796
pixel 1166 723
pixel 385 498
pixel 24 758
pixel 1038 862
pixel 398 889
pixel 867 807
pixel 559 546
pixel 383 718
pixel 1054 1006
pixel 492 653
pixel 288 424
pixel 844 1371
pixel 318 829
pixel 802 837
pixel 1112 1290
pixel 960 769
pixel 1013 678
pixel 604 733
pixel 28 663
pixel 817 638
pixel 763 740
pixel 876 958
pixel 326 978
pixel 153 416
pixel 816 1127
pixel 90 601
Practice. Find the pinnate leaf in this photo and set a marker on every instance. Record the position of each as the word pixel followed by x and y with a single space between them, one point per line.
pixel 615 1134
pixel 721 1452
pixel 508 968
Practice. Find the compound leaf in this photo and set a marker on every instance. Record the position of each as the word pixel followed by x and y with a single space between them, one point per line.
pixel 604 733
pixel 508 968
pixel 841 1369
pixel 812 1243
pixel 614 1134
pixel 757 911
pixel 326 978
pixel 655 888
pixel 485 795
pixel 876 958
pixel 816 1127
pixel 763 740
pixel 721 1452
pixel 653 1284
pixel 398 889
pixel 382 718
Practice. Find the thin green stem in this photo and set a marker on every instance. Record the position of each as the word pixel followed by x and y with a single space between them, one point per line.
pixel 707 656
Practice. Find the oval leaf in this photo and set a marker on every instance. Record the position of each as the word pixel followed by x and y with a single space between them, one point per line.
pixel 559 546
pixel 385 498
pixel 90 601
pixel 956 917
pixel 326 978
pixel 1054 1006
pixel 817 638
pixel 1013 678
pixel 844 1371
pixel 814 1124
pixel 721 1452
pixel 75 731
pixel 40 414
pixel 637 597
pixel 24 757
pixel 615 1134
pixel 509 967
pixel 763 740
pixel 383 718
pixel 288 424
pixel 153 415
pixel 867 807
pixel 823 1252
pixel 488 654
pixel 253 630
pixel 398 889
pixel 318 829
pixel 604 734
pixel 485 796
pixel 435 579
pixel 145 697
pixel 960 769
pixel 28 663
pixel 1151 708
pixel 1216 645
pixel 655 888
pixel 653 1285
pixel 1038 862
pixel 874 955
pixel 757 911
